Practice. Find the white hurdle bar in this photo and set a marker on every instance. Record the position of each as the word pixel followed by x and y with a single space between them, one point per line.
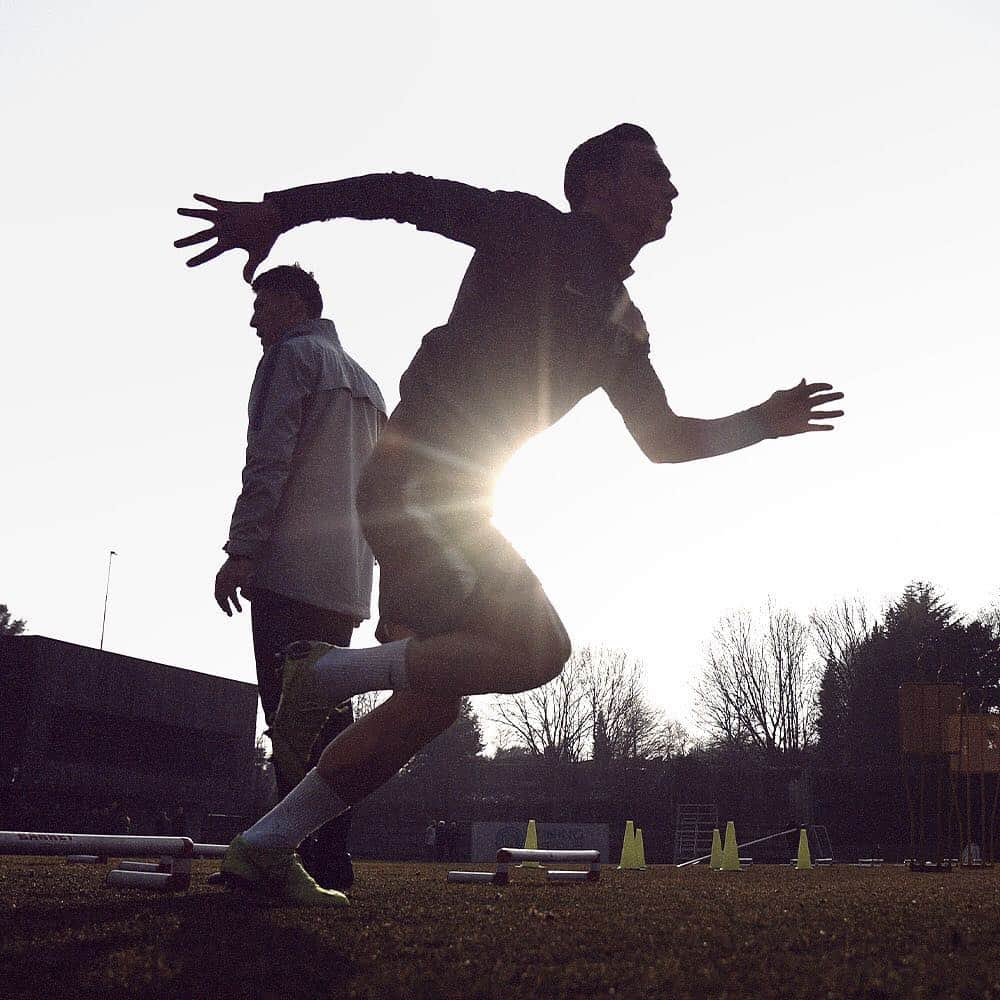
pixel 62 844
pixel 507 856
pixel 171 873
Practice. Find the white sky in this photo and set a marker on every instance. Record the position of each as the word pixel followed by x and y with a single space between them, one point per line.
pixel 838 218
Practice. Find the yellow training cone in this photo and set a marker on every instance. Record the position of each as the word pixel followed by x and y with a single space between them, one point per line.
pixel 730 852
pixel 804 861
pixel 716 861
pixel 640 850
pixel 629 861
pixel 530 844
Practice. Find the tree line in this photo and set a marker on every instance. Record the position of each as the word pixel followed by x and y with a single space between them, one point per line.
pixel 778 697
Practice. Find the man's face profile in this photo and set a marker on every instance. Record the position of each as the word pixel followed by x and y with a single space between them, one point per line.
pixel 273 315
pixel 642 193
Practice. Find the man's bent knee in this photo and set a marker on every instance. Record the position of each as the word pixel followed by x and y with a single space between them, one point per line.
pixel 534 640
pixel 530 664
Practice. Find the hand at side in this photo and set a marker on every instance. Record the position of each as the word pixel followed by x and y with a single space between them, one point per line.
pixel 233 576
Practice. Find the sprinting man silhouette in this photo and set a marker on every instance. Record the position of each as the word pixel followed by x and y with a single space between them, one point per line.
pixel 541 320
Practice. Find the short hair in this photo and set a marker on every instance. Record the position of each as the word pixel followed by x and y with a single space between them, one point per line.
pixel 290 279
pixel 599 153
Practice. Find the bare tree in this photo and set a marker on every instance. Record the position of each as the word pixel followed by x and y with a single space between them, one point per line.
pixel 624 725
pixel 758 686
pixel 597 705
pixel 838 633
pixel 549 721
pixel 365 702
pixel 840 630
pixel 990 616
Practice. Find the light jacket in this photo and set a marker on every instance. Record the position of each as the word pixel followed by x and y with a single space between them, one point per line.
pixel 314 417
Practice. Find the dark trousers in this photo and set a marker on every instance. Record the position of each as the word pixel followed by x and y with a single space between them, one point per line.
pixel 277 621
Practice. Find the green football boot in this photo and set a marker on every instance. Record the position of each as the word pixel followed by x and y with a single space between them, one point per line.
pixel 275 872
pixel 301 713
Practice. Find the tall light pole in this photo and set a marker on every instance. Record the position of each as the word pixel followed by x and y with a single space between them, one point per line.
pixel 107 590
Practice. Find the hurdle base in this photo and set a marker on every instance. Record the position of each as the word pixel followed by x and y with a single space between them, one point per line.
pixel 170 875
pixel 493 878
pixel 508 856
pixel 572 876
pixel 931 867
pixel 120 878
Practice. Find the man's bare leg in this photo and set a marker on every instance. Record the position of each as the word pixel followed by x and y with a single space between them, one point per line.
pixel 517 643
pixel 525 646
pixel 369 752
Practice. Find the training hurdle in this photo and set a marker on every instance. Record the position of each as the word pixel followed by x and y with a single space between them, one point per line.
pixel 507 856
pixel 171 873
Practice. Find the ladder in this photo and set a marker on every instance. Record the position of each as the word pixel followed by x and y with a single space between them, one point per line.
pixel 693 833
pixel 820 836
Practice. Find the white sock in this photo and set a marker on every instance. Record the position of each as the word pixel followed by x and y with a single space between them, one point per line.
pixel 345 672
pixel 310 804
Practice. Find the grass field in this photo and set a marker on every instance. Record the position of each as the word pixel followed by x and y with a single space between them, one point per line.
pixel 767 931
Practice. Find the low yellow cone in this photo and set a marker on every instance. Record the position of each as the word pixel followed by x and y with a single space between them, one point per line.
pixel 530 844
pixel 640 849
pixel 730 852
pixel 629 861
pixel 716 861
pixel 804 860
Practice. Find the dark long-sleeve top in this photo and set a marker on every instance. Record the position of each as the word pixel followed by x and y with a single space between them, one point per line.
pixel 541 320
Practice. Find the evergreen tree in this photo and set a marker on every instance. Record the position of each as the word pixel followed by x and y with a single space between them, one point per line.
pixel 446 767
pixel 10 625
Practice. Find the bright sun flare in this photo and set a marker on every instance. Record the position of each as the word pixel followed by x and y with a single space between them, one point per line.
pixel 562 498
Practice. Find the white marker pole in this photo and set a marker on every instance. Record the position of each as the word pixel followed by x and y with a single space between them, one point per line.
pixel 107 590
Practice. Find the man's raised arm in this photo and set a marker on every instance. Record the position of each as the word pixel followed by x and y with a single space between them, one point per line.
pixel 460 212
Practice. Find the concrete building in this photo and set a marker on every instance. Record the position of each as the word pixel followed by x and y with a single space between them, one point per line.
pixel 82 729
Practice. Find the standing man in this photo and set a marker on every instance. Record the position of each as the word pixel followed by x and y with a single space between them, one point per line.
pixel 295 545
pixel 542 319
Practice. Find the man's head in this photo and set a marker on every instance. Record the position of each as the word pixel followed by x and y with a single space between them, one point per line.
pixel 619 177
pixel 284 297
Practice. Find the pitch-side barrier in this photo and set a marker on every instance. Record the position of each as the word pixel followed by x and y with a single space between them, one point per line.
pixel 172 872
pixel 508 856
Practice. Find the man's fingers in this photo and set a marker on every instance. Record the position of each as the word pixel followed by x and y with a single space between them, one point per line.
pixel 209 200
pixel 825 414
pixel 234 597
pixel 820 427
pixel 198 213
pixel 254 259
pixel 250 268
pixel 220 599
pixel 816 387
pixel 210 254
pixel 827 397
pixel 187 241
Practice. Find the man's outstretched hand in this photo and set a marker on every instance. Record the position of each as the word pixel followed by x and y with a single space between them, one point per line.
pixel 235 225
pixel 792 411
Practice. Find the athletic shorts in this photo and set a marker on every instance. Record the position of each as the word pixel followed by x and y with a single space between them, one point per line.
pixel 429 528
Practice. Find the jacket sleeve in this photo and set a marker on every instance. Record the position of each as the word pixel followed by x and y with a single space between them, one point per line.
pixel 275 422
pixel 470 215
